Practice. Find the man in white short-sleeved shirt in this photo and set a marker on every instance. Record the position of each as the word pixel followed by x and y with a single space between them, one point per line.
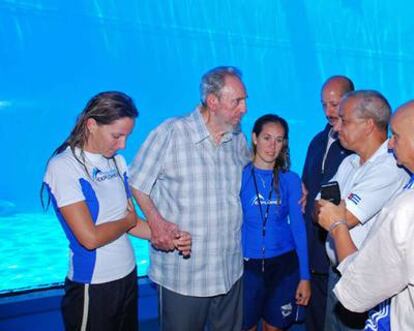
pixel 383 267
pixel 367 180
pixel 365 189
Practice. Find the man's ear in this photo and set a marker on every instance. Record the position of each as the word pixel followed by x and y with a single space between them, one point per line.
pixel 370 125
pixel 212 101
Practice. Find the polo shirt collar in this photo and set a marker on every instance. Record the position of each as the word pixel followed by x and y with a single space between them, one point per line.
pixel 410 184
pixel 383 149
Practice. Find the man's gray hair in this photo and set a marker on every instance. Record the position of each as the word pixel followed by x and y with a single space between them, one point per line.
pixel 213 80
pixel 371 105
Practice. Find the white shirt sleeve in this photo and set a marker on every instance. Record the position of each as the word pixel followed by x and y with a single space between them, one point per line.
pixel 378 186
pixel 63 180
pixel 383 267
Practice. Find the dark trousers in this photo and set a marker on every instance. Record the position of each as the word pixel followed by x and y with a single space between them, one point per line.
pixel 111 306
pixel 315 315
pixel 338 318
pixel 187 313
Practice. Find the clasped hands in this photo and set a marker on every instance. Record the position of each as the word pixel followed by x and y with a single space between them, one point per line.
pixel 167 236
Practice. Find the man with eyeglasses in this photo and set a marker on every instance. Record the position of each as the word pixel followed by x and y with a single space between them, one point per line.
pixel 323 158
pixel 367 180
pixel 383 268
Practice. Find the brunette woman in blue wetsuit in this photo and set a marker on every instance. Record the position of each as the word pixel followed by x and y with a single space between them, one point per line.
pixel 276 272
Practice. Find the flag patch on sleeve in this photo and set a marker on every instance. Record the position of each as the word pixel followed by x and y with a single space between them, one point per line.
pixel 355 198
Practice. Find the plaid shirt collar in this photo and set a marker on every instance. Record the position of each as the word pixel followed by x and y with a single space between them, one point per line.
pixel 201 132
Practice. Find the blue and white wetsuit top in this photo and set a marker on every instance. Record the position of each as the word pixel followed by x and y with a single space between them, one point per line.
pixel 106 195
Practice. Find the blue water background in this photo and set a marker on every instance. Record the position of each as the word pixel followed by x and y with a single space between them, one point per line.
pixel 54 55
pixel 37 255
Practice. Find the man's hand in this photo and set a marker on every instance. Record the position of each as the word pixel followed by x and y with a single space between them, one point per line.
pixel 163 234
pixel 315 211
pixel 329 213
pixel 183 243
pixel 303 198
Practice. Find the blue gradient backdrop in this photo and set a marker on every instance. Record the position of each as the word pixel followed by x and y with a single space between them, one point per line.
pixel 56 54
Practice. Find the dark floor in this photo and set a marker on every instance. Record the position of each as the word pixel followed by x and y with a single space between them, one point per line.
pixel 40 310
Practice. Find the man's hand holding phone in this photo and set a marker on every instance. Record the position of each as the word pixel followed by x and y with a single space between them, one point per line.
pixel 330 191
pixel 329 209
pixel 330 214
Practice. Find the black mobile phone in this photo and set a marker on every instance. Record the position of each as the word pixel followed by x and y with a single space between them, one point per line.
pixel 330 191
